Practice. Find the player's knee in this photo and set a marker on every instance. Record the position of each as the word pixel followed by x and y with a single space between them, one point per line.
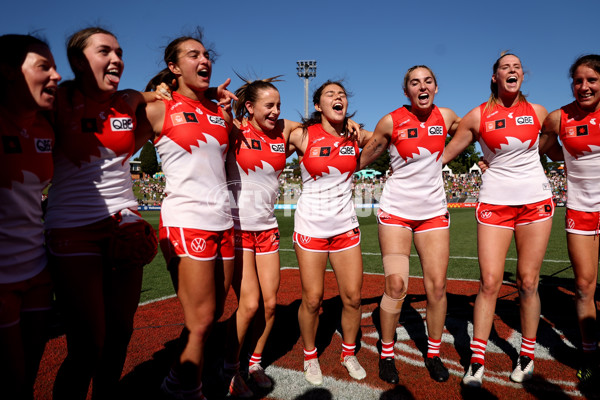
pixel 390 304
pixel 585 287
pixel 312 303
pixel 248 308
pixel 490 285
pixel 352 300
pixel 528 286
pixel 270 305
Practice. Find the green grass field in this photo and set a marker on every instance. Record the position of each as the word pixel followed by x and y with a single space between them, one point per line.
pixel 463 251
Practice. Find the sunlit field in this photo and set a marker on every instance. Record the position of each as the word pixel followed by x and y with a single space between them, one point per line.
pixel 463 251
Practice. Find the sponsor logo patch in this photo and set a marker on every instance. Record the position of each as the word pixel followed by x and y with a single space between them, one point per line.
pixel 524 120
pixel 216 120
pixel 121 124
pixel 408 133
pixel 347 151
pixel 277 148
pixel 435 130
pixel 43 145
pixel 485 214
pixel 320 151
pixel 493 125
pixel 198 245
pixel 304 239
pixel 579 130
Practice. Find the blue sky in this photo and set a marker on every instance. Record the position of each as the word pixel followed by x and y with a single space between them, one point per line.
pixel 368 44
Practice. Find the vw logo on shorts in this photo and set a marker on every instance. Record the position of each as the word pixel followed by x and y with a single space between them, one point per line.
pixel 571 223
pixel 304 239
pixel 198 245
pixel 485 214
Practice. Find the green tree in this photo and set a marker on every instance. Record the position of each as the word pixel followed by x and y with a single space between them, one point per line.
pixel 465 160
pixel 149 161
pixel 294 165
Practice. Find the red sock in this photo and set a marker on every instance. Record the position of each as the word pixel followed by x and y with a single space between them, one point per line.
pixel 433 347
pixel 527 347
pixel 310 354
pixel 387 349
pixel 478 351
pixel 255 358
pixel 347 349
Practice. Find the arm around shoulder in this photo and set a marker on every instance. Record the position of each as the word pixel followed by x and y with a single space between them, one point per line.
pixel 549 137
pixel 378 141
pixel 467 132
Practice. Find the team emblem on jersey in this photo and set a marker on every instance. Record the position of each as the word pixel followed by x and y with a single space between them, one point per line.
pixel 320 151
pixel 183 118
pixel 275 237
pixel 11 145
pixel 524 120
pixel 121 124
pixel 277 148
pixel 89 125
pixel 580 130
pixel 571 223
pixel 411 133
pixel 216 120
pixel 256 144
pixel 435 130
pixel 493 125
pixel 347 151
pixel 43 145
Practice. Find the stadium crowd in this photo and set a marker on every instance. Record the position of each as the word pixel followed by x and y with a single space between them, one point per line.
pixel 459 188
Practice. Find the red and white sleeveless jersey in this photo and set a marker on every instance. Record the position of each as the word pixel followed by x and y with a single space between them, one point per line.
pixel 325 207
pixel 26 165
pixel 94 142
pixel 580 136
pixel 192 147
pixel 416 189
pixel 509 138
pixel 254 164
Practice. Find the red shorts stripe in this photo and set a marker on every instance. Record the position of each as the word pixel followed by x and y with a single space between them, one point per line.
pixel 196 243
pixel 509 217
pixel 582 222
pixel 343 241
pixel 259 242
pixel 424 225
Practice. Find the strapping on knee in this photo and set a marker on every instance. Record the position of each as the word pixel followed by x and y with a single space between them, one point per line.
pixel 396 264
pixel 393 306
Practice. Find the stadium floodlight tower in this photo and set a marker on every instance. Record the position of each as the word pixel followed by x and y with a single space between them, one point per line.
pixel 306 70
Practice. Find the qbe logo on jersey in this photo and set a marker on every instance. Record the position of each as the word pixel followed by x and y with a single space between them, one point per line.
pixel 347 151
pixel 121 124
pixel 277 148
pixel 43 145
pixel 435 130
pixel 524 120
pixel 216 120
